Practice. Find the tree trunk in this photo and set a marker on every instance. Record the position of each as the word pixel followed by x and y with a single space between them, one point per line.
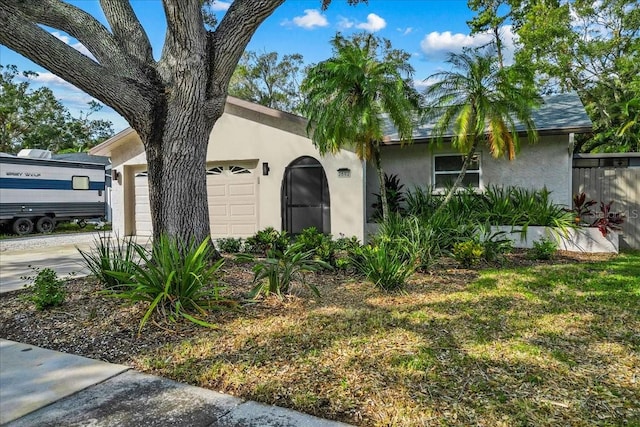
pixel 176 159
pixel 496 35
pixel 463 172
pixel 383 188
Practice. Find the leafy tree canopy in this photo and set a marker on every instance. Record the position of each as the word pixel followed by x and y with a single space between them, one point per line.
pixel 34 118
pixel 592 48
pixel 265 80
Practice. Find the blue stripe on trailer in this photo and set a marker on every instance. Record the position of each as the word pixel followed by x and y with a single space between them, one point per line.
pixel 45 184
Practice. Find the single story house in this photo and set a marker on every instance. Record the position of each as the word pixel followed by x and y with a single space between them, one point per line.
pixel 263 170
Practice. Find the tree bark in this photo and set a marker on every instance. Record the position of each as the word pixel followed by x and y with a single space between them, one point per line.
pixel 383 188
pixel 176 163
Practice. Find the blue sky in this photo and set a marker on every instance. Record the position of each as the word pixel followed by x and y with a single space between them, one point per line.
pixel 427 29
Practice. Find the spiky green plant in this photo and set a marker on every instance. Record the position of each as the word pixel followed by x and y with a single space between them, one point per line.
pixel 177 280
pixel 109 255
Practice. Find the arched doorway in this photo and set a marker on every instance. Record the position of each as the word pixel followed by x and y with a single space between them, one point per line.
pixel 305 197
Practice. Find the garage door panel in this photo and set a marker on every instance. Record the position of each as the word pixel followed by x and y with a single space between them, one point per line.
pixel 217 190
pixel 243 210
pixel 232 201
pixel 243 229
pixel 247 189
pixel 220 211
pixel 219 230
pixel 142 208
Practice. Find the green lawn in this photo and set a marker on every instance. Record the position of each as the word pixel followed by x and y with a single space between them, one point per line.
pixel 552 344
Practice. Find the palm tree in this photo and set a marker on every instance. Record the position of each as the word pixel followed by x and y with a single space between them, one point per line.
pixel 481 103
pixel 349 97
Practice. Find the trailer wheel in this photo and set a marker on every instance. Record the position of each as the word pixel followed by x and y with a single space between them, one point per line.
pixel 82 223
pixel 22 226
pixel 45 225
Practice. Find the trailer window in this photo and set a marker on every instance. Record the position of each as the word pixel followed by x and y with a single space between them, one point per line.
pixel 80 182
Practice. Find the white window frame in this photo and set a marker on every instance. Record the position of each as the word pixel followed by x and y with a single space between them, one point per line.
pixel 449 172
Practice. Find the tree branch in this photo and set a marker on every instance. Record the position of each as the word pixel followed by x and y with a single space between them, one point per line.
pixel 75 22
pixel 127 30
pixel 22 34
pixel 185 27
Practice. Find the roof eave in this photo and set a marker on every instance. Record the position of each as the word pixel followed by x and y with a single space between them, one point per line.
pixel 105 148
pixel 541 132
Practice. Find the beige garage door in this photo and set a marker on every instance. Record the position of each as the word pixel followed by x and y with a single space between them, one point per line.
pixel 233 201
pixel 232 192
pixel 143 213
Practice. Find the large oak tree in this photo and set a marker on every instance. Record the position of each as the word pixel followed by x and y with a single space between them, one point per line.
pixel 172 103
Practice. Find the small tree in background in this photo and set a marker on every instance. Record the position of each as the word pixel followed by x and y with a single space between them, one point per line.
pixel 265 80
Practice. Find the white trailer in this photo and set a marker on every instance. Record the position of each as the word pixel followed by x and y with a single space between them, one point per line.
pixel 36 193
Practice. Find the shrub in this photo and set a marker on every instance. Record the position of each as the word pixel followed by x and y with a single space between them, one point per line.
pixel 495 205
pixel 47 290
pixel 494 244
pixel 229 245
pixel 386 264
pixel 109 255
pixel 422 201
pixel 177 279
pixel 277 272
pixel 544 249
pixel 346 243
pixel 581 207
pixel 346 249
pixel 607 221
pixel 318 243
pixel 267 239
pixel 468 253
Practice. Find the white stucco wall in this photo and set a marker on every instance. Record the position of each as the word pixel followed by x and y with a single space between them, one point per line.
pixel 249 142
pixel 547 163
pixel 235 138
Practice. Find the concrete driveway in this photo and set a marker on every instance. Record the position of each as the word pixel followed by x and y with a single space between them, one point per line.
pixel 59 252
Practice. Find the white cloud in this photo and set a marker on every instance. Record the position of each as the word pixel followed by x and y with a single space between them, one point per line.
pixel 220 6
pixel 374 23
pixel 405 31
pixel 50 79
pixel 436 45
pixel 345 23
pixel 423 84
pixel 77 46
pixel 311 19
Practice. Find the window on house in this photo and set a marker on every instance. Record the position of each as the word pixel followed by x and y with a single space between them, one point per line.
pixel 80 182
pixel 238 170
pixel 446 169
pixel 216 170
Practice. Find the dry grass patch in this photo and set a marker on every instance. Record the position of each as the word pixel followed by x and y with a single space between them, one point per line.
pixel 552 344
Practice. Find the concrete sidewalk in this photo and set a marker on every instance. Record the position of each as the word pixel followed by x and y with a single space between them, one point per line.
pixel 42 387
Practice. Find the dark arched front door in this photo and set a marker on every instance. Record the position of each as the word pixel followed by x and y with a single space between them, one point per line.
pixel 305 197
